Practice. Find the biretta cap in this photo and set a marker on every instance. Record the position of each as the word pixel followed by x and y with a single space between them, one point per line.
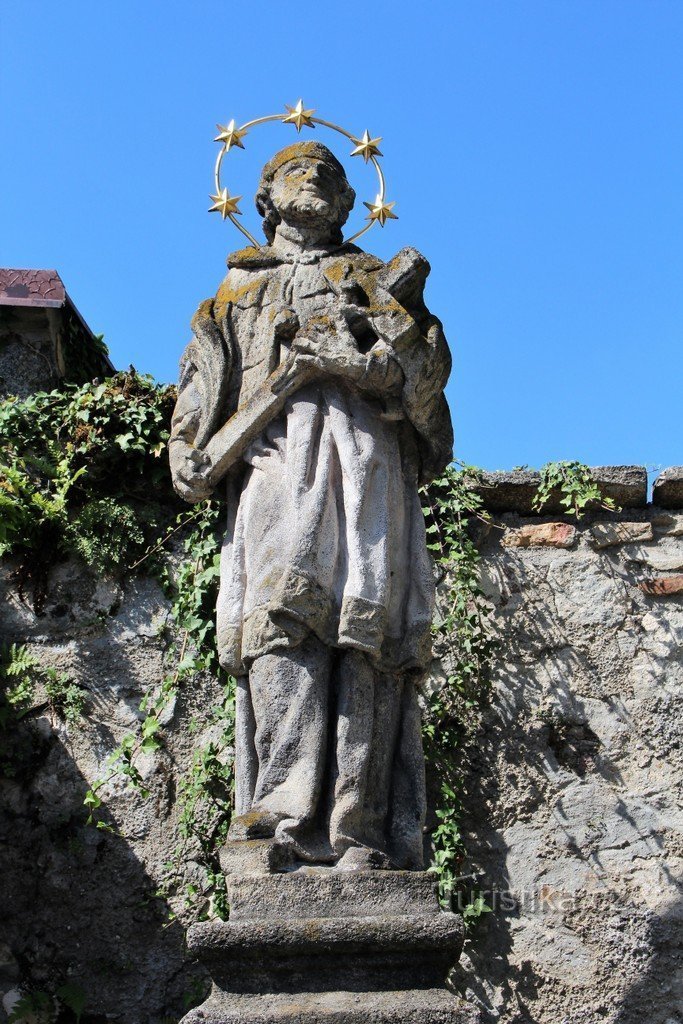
pixel 310 150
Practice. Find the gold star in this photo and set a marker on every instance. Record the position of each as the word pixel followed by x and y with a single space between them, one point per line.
pixel 366 147
pixel 381 211
pixel 225 204
pixel 228 134
pixel 298 116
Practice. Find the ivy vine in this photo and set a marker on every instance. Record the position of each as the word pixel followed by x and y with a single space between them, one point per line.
pixel 83 471
pixel 464 640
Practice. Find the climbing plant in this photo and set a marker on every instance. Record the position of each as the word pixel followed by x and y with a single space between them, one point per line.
pixel 83 471
pixel 39 1006
pixel 453 507
pixel 205 789
pixel 577 488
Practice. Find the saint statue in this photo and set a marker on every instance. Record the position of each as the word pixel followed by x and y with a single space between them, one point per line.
pixel 313 390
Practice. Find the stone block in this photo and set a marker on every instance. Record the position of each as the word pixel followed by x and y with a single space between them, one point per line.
pixel 515 490
pixel 668 488
pixel 663 586
pixel 606 535
pixel 333 894
pixel 512 491
pixel 625 485
pixel 254 857
pixel 659 557
pixel 668 523
pixel 325 955
pixel 541 535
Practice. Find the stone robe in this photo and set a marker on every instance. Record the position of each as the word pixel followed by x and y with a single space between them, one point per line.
pixel 327 593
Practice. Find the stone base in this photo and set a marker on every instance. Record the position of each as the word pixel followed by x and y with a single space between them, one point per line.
pixel 319 945
pixel 419 1006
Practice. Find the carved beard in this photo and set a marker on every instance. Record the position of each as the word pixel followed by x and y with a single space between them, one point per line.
pixel 308 206
pixel 305 203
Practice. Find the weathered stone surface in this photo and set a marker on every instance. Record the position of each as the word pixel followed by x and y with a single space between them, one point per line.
pixel 332 893
pixel 541 535
pixel 321 935
pixel 663 586
pixel 80 902
pixel 438 934
pixel 668 488
pixel 515 490
pixel 254 857
pixel 510 490
pixel 420 1006
pixel 666 556
pixel 606 535
pixel 625 485
pixel 320 366
pixel 668 523
pixel 573 823
pixel 379 956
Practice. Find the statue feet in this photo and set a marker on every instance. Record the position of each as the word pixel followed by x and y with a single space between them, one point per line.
pixel 259 824
pixel 363 858
pixel 263 841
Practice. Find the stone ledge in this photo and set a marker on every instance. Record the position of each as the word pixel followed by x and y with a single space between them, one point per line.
pixel 418 1006
pixel 668 489
pixel 514 490
pixel 319 935
pixel 348 954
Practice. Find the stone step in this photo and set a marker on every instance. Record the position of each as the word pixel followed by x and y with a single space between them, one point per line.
pixel 419 1006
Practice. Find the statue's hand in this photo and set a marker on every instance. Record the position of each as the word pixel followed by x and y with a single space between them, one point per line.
pixel 330 353
pixel 190 468
pixel 327 356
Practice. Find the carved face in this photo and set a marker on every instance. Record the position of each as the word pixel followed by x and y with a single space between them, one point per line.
pixel 308 190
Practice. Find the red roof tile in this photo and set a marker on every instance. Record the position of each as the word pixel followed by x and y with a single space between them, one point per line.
pixel 31 288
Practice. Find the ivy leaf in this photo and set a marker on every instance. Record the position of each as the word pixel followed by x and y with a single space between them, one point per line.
pixel 124 440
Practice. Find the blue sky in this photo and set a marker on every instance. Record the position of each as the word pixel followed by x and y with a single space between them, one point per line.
pixel 534 150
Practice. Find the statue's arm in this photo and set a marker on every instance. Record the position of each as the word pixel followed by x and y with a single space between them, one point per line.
pixel 186 461
pixel 204 375
pixel 426 366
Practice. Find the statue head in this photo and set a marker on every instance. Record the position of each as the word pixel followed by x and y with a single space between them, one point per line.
pixel 306 186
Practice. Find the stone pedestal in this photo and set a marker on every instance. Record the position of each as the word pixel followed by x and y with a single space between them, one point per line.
pixel 319 946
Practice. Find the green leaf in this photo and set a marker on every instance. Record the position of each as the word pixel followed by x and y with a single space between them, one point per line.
pixel 72 996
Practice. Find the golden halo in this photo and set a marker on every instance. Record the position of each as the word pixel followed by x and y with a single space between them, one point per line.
pixel 229 136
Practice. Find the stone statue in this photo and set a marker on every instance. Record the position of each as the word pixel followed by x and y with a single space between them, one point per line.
pixel 314 386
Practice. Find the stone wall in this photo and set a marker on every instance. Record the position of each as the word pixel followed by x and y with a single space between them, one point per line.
pixel 574 813
pixel 573 824
pixel 82 904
